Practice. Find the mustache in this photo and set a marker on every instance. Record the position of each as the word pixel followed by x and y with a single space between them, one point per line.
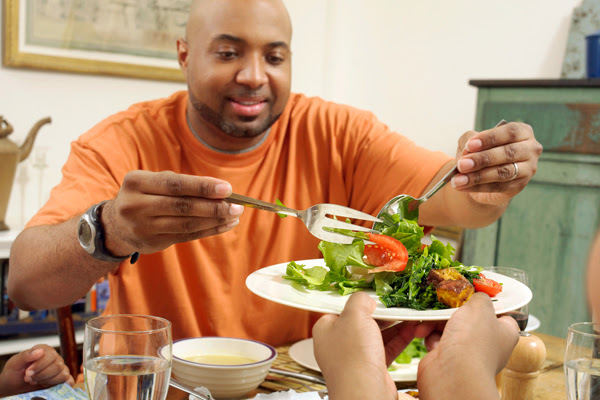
pixel 249 93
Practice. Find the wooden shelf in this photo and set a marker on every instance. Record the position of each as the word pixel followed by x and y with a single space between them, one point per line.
pixel 16 345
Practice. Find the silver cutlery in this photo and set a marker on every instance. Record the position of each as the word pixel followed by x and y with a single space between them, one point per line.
pixel 309 378
pixel 405 204
pixel 306 377
pixel 200 392
pixel 316 218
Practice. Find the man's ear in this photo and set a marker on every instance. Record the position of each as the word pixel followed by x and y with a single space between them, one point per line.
pixel 182 55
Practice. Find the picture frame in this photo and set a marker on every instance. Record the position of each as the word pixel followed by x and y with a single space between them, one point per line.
pixel 135 39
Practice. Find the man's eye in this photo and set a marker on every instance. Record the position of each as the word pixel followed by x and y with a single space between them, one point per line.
pixel 227 54
pixel 274 59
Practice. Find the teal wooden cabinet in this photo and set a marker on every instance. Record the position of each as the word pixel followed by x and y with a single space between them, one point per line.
pixel 548 228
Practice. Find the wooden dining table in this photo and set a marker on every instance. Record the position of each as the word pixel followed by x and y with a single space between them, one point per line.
pixel 550 382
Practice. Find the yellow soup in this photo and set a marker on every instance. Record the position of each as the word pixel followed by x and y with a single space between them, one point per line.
pixel 220 359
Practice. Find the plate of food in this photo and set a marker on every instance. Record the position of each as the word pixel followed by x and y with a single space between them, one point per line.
pixel 270 284
pixel 409 280
pixel 403 369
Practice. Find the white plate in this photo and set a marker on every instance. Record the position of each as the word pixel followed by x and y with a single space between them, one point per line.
pixel 302 353
pixel 533 323
pixel 269 283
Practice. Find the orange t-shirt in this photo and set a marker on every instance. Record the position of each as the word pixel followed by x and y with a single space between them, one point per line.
pixel 317 152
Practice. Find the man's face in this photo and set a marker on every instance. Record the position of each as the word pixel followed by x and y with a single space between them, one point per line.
pixel 237 63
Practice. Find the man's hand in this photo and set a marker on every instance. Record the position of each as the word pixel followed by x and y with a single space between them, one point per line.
pixel 154 210
pixel 34 369
pixel 486 162
pixel 353 353
pixel 474 346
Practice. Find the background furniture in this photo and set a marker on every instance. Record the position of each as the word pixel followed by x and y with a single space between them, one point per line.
pixel 69 346
pixel 548 228
pixel 68 339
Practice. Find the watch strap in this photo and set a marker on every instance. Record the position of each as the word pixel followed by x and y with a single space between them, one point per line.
pixel 100 251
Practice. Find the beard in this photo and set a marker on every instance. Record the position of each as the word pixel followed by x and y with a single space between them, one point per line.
pixel 217 120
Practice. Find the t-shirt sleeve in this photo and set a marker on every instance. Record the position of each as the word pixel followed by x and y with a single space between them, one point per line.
pixel 91 174
pixel 386 163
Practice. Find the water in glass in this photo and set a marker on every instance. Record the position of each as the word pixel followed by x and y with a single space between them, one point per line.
pixel 582 361
pixel 127 357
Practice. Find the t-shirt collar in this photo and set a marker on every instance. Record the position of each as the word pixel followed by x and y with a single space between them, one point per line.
pixel 226 151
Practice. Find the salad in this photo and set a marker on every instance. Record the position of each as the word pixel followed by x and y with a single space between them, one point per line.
pixel 415 350
pixel 402 270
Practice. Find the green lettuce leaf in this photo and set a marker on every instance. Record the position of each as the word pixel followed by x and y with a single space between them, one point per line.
pixel 316 277
pixel 337 256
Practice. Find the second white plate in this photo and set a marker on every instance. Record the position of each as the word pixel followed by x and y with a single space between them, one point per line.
pixel 533 323
pixel 302 353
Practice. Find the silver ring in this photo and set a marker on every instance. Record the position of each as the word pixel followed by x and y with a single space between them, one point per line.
pixel 516 172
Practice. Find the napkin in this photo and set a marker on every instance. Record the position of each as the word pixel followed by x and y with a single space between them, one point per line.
pixel 63 391
pixel 293 395
pixel 289 395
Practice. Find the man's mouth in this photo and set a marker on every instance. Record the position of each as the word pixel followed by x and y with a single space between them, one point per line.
pixel 247 107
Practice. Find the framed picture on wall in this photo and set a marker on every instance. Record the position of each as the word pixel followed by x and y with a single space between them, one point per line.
pixel 132 38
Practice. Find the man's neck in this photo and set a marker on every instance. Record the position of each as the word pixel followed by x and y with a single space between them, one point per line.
pixel 227 144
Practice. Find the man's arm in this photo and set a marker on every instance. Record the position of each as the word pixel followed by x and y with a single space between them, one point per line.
pixel 152 211
pixel 49 268
pixel 450 207
pixel 494 166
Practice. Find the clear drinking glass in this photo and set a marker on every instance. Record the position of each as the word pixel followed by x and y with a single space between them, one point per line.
pixel 127 357
pixel 520 315
pixel 582 361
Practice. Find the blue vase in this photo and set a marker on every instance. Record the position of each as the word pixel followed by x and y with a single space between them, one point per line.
pixel 593 55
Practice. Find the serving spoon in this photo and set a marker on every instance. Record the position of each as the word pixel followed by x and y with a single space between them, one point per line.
pixel 406 206
pixel 200 392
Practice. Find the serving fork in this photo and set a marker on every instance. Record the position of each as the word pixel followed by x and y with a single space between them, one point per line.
pixel 318 218
pixel 406 205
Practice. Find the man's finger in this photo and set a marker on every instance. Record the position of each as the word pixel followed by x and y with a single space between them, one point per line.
pixel 509 323
pixel 425 329
pixel 396 338
pixel 324 324
pixel 359 302
pixel 432 340
pixel 479 301
pixel 168 183
pixel 498 136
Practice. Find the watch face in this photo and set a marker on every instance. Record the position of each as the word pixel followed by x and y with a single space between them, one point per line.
pixel 85 233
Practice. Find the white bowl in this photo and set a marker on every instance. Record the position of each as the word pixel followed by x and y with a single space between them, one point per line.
pixel 223 381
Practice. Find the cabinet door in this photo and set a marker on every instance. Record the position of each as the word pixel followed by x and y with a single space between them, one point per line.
pixel 548 228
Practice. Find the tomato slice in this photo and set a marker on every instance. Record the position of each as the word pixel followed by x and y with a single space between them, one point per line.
pixel 486 285
pixel 387 254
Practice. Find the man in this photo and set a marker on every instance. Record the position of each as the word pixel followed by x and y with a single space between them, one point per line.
pixel 165 166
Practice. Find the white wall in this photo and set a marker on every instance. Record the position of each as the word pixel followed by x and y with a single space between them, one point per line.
pixel 408 61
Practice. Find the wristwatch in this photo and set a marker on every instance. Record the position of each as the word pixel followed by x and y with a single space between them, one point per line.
pixel 91 236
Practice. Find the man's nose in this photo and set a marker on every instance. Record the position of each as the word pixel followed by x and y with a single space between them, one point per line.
pixel 252 73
